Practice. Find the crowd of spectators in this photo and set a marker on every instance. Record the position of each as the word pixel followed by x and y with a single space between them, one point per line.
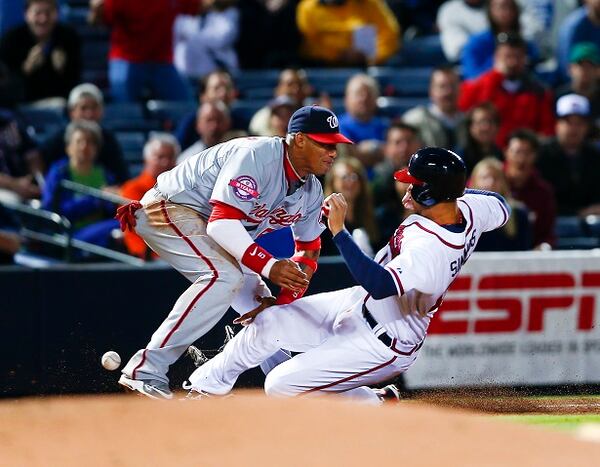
pixel 531 134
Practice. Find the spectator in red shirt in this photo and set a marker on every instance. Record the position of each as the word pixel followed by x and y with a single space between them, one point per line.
pixel 521 100
pixel 141 46
pixel 528 186
pixel 160 153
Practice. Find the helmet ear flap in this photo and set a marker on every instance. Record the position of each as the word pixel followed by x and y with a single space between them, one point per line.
pixel 422 194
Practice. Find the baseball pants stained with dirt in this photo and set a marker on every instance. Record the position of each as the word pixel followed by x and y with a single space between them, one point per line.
pixel 341 354
pixel 178 235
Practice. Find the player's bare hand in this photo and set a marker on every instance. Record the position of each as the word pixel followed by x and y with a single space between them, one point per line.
pixel 286 273
pixel 247 318
pixel 337 206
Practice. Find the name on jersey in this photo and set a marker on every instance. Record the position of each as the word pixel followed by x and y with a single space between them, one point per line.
pixel 278 216
pixel 456 265
pixel 244 187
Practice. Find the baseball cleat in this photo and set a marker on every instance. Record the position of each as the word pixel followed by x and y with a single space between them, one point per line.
pixel 152 389
pixel 197 356
pixel 195 394
pixel 389 393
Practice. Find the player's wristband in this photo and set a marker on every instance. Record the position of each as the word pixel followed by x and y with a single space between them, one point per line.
pixel 258 259
pixel 288 296
pixel 311 263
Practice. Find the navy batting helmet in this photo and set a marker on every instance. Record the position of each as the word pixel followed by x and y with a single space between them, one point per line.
pixel 437 175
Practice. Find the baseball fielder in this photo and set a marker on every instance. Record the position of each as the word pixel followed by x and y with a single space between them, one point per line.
pixel 202 217
pixel 370 333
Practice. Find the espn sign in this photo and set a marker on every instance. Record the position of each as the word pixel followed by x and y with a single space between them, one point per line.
pixel 514 302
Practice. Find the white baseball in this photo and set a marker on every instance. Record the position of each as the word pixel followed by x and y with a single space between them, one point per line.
pixel 111 360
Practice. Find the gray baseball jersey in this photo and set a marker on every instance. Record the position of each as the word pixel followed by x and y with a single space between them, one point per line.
pixel 247 174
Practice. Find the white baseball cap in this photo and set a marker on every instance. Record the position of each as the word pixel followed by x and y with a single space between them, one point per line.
pixel 572 104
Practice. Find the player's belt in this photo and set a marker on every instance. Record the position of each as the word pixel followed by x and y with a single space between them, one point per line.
pixel 384 336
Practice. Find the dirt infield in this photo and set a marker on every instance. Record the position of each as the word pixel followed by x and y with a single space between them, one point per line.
pixel 251 430
pixel 505 402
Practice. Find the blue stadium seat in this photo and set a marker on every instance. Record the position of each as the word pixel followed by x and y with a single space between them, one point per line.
pixel 41 122
pixel 242 111
pixel 75 14
pixel 577 243
pixel 132 143
pixel 246 81
pixel 95 55
pixel 420 51
pixel 592 225
pixel 395 107
pixel 331 80
pixel 412 81
pixel 128 116
pixel 569 227
pixel 168 113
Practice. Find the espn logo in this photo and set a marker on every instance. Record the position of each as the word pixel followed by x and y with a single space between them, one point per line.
pixel 511 303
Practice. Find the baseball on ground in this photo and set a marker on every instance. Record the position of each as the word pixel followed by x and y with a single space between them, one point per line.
pixel 111 360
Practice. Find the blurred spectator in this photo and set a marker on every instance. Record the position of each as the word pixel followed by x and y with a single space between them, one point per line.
pixel 584 70
pixel 269 36
pixel 528 186
pixel 457 20
pixel 292 83
pixel 212 124
pixel 141 46
pixel 516 235
pixel 347 32
pixel 347 176
pixel 570 162
pixel 521 100
pixel 582 25
pixel 482 124
pixel 92 218
pixel 281 110
pixel 10 244
pixel 540 20
pixel 478 54
pixel 416 17
pixel 440 122
pixel 86 102
pixel 19 161
pixel 205 42
pixel 217 86
pixel 43 53
pixel 361 123
pixel 160 153
pixel 402 141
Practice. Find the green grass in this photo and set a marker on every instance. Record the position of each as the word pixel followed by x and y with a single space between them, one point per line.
pixel 561 422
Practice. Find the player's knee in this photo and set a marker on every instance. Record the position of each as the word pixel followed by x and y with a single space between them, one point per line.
pixel 233 277
pixel 276 384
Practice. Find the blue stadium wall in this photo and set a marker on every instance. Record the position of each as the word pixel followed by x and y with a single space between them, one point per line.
pixel 56 323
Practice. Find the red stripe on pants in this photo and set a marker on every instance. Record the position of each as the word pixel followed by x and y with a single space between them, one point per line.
pixel 196 298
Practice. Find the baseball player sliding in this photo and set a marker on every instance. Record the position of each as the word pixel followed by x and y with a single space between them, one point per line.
pixel 356 337
pixel 202 217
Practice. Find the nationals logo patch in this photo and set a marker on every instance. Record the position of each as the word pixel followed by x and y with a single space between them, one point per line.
pixel 244 187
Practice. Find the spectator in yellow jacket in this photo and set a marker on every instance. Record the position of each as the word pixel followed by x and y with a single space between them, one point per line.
pixel 347 32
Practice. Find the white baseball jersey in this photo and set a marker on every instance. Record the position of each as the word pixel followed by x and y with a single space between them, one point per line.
pixel 424 258
pixel 249 175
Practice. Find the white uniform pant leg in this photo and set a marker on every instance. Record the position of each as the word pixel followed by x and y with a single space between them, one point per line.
pixel 178 235
pixel 349 360
pixel 299 326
